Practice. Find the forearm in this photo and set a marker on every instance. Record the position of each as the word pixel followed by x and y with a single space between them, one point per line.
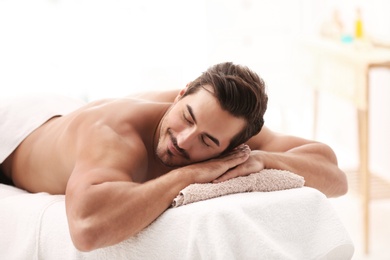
pixel 316 162
pixel 108 213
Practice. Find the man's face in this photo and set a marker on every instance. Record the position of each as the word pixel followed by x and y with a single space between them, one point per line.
pixel 196 129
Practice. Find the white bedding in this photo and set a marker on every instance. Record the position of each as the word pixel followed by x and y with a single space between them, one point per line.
pixel 289 224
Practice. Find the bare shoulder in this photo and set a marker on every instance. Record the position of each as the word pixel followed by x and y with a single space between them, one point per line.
pixel 109 142
pixel 104 155
pixel 158 96
pixel 268 140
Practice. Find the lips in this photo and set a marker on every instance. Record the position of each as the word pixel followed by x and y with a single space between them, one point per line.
pixel 172 149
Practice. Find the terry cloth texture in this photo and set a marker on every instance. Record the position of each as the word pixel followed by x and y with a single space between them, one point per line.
pixel 265 180
pixel 288 224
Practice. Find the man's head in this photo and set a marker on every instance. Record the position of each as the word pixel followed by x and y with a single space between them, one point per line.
pixel 240 91
pixel 218 111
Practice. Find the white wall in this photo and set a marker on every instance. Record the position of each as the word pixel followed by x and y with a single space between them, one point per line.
pixel 109 48
pixel 100 48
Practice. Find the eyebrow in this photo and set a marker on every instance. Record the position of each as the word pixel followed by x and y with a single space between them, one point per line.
pixel 212 138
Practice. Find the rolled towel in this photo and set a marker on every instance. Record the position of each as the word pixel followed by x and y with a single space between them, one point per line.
pixel 265 180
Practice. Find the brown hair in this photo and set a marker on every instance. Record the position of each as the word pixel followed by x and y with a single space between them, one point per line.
pixel 240 91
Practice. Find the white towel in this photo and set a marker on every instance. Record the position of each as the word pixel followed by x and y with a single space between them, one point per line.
pixel 288 224
pixel 20 116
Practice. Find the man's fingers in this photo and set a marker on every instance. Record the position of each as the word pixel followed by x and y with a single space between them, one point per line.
pixel 236 157
pixel 232 173
pixel 210 170
pixel 248 166
pixel 239 150
pixel 233 161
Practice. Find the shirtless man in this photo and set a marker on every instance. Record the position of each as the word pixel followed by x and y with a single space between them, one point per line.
pixel 121 162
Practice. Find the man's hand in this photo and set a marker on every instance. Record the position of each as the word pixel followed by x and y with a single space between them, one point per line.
pixel 212 169
pixel 253 164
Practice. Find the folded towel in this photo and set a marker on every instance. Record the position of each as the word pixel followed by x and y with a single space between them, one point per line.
pixel 265 180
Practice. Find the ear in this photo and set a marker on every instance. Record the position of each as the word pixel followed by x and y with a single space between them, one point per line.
pixel 181 93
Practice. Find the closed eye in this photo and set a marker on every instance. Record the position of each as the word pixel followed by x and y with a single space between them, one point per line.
pixel 192 115
pixel 187 120
pixel 204 141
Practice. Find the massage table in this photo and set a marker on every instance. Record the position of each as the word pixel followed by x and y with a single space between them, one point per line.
pixel 287 224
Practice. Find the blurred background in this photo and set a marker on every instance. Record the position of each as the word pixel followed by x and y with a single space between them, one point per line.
pixel 95 49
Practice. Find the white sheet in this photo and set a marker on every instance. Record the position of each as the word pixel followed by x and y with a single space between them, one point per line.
pixel 288 224
pixel 21 115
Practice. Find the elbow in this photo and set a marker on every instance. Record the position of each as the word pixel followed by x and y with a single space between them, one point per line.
pixel 341 190
pixel 340 186
pixel 339 179
pixel 344 187
pixel 88 235
pixel 84 235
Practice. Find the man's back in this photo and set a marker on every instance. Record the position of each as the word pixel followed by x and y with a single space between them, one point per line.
pixel 45 160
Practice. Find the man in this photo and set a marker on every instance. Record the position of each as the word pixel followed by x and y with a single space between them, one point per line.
pixel 120 163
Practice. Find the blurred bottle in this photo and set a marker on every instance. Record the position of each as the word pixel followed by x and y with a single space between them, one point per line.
pixel 358 24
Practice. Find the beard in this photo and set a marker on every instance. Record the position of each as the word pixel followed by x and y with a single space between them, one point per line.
pixel 166 156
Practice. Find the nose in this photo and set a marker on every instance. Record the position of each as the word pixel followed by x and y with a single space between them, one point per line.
pixel 185 139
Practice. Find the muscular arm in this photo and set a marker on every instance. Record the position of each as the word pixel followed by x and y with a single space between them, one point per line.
pixel 104 206
pixel 315 161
